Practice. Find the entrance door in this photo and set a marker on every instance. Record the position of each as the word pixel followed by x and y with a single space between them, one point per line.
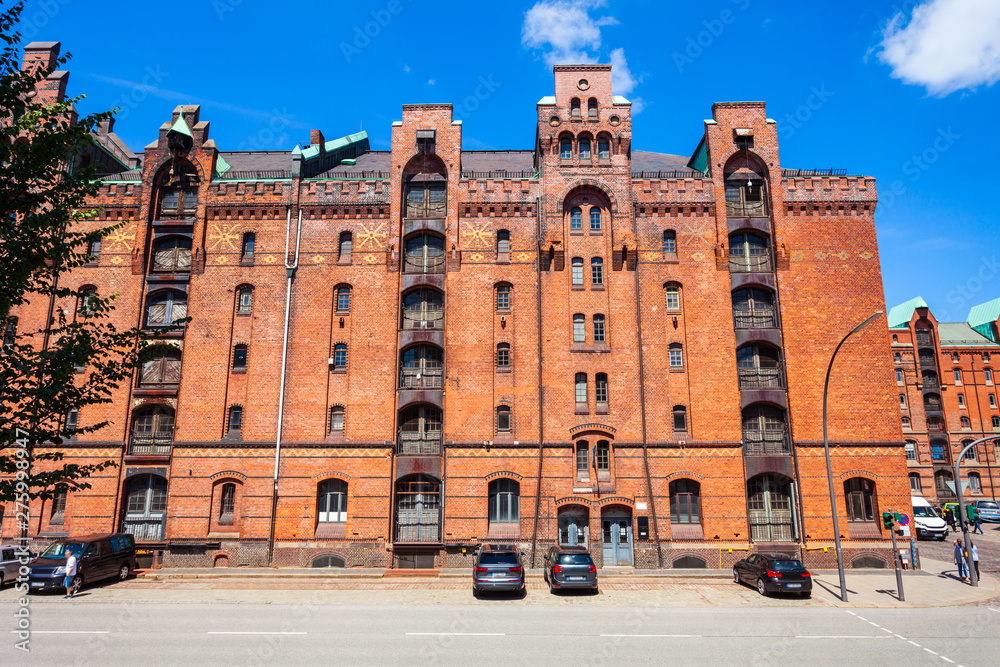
pixel 770 508
pixel 146 508
pixel 573 528
pixel 616 538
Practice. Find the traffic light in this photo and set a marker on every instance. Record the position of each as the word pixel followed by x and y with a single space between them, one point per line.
pixel 887 520
pixel 972 512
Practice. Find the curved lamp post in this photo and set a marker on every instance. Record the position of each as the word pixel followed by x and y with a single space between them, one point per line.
pixel 826 448
pixel 973 577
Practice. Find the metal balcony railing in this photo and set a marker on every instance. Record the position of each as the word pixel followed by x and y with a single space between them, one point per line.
pixel 930 382
pixel 421 264
pixel 755 318
pixel 423 443
pixel 144 530
pixel 421 378
pixel 761 378
pixel 423 319
pixel 928 362
pixel 411 528
pixel 750 264
pixel 765 443
pixel 146 444
pixel 748 209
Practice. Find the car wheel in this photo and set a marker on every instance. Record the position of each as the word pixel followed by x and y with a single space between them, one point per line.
pixel 552 589
pixel 124 572
pixel 761 588
pixel 1 579
pixel 736 576
pixel 77 584
pixel 807 595
pixel 475 592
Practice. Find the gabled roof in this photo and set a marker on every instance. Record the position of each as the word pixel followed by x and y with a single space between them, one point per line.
pixel 899 316
pixel 960 334
pixel 982 317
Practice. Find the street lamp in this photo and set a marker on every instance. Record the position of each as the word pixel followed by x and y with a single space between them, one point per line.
pixel 826 448
pixel 973 577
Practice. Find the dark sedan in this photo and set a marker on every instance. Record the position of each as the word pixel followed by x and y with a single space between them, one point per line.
pixel 497 569
pixel 570 567
pixel 774 573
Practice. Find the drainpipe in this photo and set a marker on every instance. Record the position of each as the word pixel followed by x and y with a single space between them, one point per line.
pixel 290 274
pixel 541 390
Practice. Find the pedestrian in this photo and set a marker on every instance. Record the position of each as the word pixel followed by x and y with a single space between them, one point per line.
pixel 974 518
pixel 71 565
pixel 960 559
pixel 949 517
pixel 975 559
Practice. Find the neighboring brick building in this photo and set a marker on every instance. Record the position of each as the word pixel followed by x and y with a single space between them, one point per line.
pixel 661 324
pixel 946 373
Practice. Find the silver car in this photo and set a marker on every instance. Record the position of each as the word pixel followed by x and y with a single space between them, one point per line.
pixel 10 564
pixel 989 510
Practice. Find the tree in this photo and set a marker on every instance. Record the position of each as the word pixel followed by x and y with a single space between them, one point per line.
pixel 43 201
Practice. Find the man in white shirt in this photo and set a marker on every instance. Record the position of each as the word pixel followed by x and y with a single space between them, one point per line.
pixel 71 565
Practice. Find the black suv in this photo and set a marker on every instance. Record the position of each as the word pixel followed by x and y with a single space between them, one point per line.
pixel 570 567
pixel 498 568
pixel 98 557
pixel 774 573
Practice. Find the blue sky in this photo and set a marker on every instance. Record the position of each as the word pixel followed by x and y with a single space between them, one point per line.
pixel 900 90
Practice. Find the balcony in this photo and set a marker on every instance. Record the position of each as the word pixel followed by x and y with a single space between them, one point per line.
pixel 751 263
pixel 746 209
pixel 755 318
pixel 420 263
pixel 419 443
pixel 144 530
pixel 927 361
pixel 423 319
pixel 761 378
pixel 421 378
pixel 150 444
pixel 765 443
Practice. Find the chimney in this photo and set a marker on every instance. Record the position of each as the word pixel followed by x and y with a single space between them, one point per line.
pixel 43 54
pixel 316 138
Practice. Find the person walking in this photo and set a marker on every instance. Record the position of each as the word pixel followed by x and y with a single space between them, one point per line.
pixel 949 517
pixel 71 566
pixel 974 518
pixel 960 559
pixel 975 558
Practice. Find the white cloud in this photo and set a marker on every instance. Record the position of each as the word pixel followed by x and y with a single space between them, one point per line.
pixel 622 81
pixel 431 82
pixel 406 68
pixel 565 29
pixel 947 45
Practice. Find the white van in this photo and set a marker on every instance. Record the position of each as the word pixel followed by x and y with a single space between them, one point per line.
pixel 926 521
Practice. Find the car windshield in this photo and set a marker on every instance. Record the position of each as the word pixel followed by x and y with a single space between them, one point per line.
pixel 988 505
pixel 58 550
pixel 498 559
pixel 786 565
pixel 925 511
pixel 575 559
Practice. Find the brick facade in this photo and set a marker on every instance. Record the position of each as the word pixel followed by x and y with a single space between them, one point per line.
pixel 621 348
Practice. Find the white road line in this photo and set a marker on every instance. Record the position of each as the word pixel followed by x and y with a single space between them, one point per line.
pixel 68 632
pixel 862 617
pixel 929 651
pixel 670 636
pixel 903 638
pixel 889 631
pixel 226 632
pixel 456 634
pixel 852 613
pixel 914 643
pixel 841 637
pixel 992 609
pixel 947 660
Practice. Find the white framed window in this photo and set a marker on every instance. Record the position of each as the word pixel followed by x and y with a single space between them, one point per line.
pixel 958 377
pixel 911 451
pixel 961 400
pixel 579 328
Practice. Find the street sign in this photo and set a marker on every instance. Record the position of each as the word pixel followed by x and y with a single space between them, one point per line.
pixel 902 519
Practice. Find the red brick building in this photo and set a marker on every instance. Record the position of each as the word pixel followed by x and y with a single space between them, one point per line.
pixel 395 356
pixel 945 374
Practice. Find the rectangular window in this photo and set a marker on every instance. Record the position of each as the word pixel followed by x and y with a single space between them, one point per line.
pixel 581 391
pixel 676 358
pixel 899 376
pixel 993 400
pixel 958 377
pixel 989 376
pixel 579 329
pixel 911 451
pixel 915 483
pixel 58 506
pixel 601 390
pixel 961 400
pixel 970 455
pixel 503 356
pixel 598 328
pixel 577 271
pixel 937 452
pixel 595 219
pixel 597 271
pixel 902 400
pixel 975 484
pixel 583 461
pixel 503 298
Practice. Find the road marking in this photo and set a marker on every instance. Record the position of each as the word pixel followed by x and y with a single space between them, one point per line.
pixel 903 638
pixel 227 632
pixel 947 660
pixel 929 651
pixel 670 636
pixel 914 643
pixel 862 617
pixel 992 609
pixel 456 634
pixel 69 632
pixel 886 630
pixel 841 637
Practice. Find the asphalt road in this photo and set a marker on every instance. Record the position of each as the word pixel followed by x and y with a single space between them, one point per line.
pixel 492 631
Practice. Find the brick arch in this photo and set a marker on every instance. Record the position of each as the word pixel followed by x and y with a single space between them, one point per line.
pixel 589 182
pixel 227 474
pixel 616 500
pixel 574 500
pixel 858 473
pixel 163 164
pixel 503 473
pixel 333 474
pixel 756 162
pixel 684 474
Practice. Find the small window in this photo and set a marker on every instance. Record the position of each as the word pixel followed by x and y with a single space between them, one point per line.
pixel 954 357
pixel 603 149
pixel 503 242
pixel 595 219
pixel 72 419
pixel 915 483
pixel 911 450
pixel 986 357
pixel 895 338
pixel 966 423
pixel 673 294
pixel 601 390
pixel 576 219
pixel 503 297
pixel 961 400
pixel 975 483
pixel 958 377
pixel 59 506
pixel 676 352
pixel 902 400
pixel 597 272
pixel 899 376
pixel 592 108
pixel 346 245
pixel 503 355
pixel 227 503
pixel 343 295
pixel 566 148
pixel 669 242
pixel 581 391
pixel 579 328
pixel 583 460
pixel 584 149
pixel 599 334
pixel 897 357
pixel 94 250
pixel 503 419
pixel 240 352
pixel 937 451
pixel 235 419
pixel 906 423
pixel 340 357
pixel 574 107
pixel 576 272
pixel 993 400
pixel 996 422
pixel 244 299
pixel 988 374
pixel 680 418
pixel 249 241
pixel 9 334
pixel 336 419
pixel 970 455
pixel 602 460
pixel 86 302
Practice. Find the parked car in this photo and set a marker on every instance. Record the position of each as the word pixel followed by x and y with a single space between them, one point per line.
pixel 989 510
pixel 100 557
pixel 926 522
pixel 497 568
pixel 570 567
pixel 774 573
pixel 10 564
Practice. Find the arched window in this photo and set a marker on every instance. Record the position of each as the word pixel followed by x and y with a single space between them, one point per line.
pixel 576 271
pixel 505 501
pixel 579 328
pixel 346 246
pixel 584 148
pixel 599 331
pixel 597 272
pixel 576 219
pixel 162 368
pixel 911 450
pixel 574 107
pixel 422 368
pixel 676 356
pixel 57 515
pixel 975 483
pixel 340 357
pixel 749 253
pixel 601 391
pixel 172 254
pixel 565 148
pixel 503 291
pixel 93 250
pixel 759 367
pixel 227 504
pixel 915 486
pixel 423 308
pixel 249 241
pixel 503 356
pixel 146 508
pixel 680 418
pixel 244 299
pixel 332 501
pixel 685 501
pixel 424 254
pixel 503 242
pixel 672 293
pixel 166 307
pixel 336 424
pixel 418 509
pixel 240 354
pixel 970 455
pixel 235 422
pixel 938 451
pixel 602 460
pixel 669 242
pixel 152 430
pixel 906 423
pixel 595 219
pixel 860 495
pixel 965 422
pixel 86 301
pixel 592 107
pixel 764 431
pixel 420 430
pixel 342 294
pixel 583 460
pixel 603 148
pixel 503 419
pixel 580 384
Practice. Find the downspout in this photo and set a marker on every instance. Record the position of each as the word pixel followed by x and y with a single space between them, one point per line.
pixel 541 390
pixel 290 274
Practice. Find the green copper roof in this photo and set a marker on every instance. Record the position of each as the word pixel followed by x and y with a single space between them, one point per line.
pixel 960 334
pixel 982 317
pixel 548 99
pixel 699 160
pixel 618 99
pixel 221 166
pixel 333 145
pixel 181 127
pixel 899 316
